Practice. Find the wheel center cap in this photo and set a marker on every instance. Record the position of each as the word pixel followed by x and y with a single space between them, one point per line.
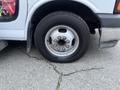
pixel 61 42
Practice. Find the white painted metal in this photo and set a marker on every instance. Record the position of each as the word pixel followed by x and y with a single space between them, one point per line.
pixel 109 37
pixel 17 30
pixel 3 44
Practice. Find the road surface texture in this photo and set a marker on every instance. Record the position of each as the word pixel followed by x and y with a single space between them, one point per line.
pixel 99 69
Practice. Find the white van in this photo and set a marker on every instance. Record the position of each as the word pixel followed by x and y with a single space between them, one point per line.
pixel 60 29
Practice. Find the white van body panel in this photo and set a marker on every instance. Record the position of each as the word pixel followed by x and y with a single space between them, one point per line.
pixel 15 30
pixel 98 6
pixel 103 6
pixel 18 29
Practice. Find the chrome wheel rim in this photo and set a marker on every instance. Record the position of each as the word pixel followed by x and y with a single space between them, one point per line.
pixel 62 40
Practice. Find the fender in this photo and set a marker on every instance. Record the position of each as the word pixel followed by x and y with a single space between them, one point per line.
pixel 37 5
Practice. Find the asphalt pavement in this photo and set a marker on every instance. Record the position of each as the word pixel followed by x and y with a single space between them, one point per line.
pixel 99 69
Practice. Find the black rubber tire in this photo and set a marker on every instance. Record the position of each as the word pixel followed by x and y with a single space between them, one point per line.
pixel 62 18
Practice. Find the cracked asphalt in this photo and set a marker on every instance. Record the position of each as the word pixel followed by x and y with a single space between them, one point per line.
pixel 99 69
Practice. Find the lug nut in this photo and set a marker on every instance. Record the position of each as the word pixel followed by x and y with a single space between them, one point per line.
pixel 68 41
pixel 64 38
pixel 55 40
pixel 63 49
pixel 55 45
pixel 57 49
pixel 59 37
pixel 67 46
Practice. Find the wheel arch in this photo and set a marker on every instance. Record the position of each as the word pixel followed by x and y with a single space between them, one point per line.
pixel 44 7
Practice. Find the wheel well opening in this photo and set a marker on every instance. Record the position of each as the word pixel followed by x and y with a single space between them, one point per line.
pixel 70 6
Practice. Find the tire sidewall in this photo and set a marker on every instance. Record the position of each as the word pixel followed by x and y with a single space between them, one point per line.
pixel 70 20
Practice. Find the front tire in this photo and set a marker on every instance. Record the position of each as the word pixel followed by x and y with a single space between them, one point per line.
pixel 62 37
